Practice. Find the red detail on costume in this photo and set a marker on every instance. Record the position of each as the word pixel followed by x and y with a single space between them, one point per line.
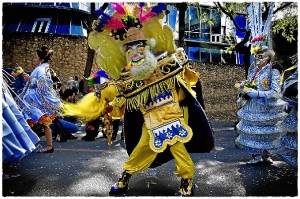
pixel 46 119
pixel 31 123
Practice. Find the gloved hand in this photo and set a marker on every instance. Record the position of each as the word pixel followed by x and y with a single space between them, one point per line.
pixel 252 93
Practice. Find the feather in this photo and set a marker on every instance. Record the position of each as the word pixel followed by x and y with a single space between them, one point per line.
pixel 159 8
pixel 115 23
pixel 128 10
pixel 141 4
pixel 103 19
pixel 147 16
pixel 95 75
pixel 118 7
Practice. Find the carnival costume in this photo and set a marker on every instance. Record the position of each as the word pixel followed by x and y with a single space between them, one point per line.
pixel 18 140
pixel 259 129
pixel 289 142
pixel 152 86
pixel 262 109
pixel 40 101
pixel 98 81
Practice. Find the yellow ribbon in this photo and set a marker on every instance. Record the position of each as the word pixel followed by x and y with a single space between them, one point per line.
pixel 128 66
pixel 282 75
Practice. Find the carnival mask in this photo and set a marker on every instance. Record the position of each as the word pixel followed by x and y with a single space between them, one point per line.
pixel 180 55
pixel 141 61
pixel 135 54
pixel 261 59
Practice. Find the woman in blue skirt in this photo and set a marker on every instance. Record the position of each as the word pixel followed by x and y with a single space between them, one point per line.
pixel 40 101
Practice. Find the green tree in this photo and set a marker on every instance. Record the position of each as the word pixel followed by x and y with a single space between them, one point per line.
pixel 287 26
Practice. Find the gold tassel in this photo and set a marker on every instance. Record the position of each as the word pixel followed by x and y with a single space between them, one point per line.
pixel 118 101
pixel 154 90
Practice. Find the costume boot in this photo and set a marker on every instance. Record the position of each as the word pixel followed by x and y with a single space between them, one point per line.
pixel 186 188
pixel 122 184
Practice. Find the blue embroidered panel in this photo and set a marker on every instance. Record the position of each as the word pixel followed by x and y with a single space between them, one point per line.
pixel 162 99
pixel 168 132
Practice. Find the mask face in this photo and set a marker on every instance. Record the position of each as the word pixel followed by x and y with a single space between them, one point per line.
pixel 141 60
pixel 181 57
pixel 260 59
pixel 135 53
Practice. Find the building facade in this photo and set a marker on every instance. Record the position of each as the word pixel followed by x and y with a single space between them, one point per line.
pixel 52 18
pixel 63 27
pixel 205 33
pixel 59 26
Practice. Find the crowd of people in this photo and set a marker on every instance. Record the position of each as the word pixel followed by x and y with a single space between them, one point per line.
pixel 150 86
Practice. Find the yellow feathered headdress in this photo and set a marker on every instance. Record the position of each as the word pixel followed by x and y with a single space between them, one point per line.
pixel 110 33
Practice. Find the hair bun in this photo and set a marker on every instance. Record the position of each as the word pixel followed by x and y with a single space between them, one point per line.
pixel 44 53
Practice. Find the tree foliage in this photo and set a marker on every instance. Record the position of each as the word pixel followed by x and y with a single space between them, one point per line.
pixel 288 23
pixel 286 26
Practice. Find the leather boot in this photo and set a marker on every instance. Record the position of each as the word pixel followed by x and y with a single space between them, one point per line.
pixel 122 184
pixel 186 188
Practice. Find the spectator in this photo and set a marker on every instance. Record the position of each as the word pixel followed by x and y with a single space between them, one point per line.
pixel 64 129
pixel 72 84
pixel 56 81
pixel 80 88
pixel 92 130
pixel 69 95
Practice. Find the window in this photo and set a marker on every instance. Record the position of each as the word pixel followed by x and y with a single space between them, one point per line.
pixel 84 6
pixel 75 5
pixel 53 25
pixel 76 28
pixel 187 21
pixel 41 25
pixel 64 5
pixel 194 20
pixel 215 55
pixel 63 25
pixel 205 27
pixel 47 4
pixel 197 26
pixel 12 24
pixel 194 53
pixel 205 55
pixel 27 24
pixel 172 17
pixel 216 27
pixel 213 38
pixel 18 4
pixel 32 4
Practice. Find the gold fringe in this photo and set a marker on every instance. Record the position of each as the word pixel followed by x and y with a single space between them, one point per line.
pixel 153 91
pixel 118 101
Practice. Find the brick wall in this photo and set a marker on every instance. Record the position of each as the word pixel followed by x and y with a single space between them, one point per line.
pixel 69 56
pixel 218 89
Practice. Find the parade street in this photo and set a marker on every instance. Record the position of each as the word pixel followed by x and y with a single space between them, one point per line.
pixel 82 168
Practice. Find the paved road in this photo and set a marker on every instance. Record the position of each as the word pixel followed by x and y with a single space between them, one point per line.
pixel 81 168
